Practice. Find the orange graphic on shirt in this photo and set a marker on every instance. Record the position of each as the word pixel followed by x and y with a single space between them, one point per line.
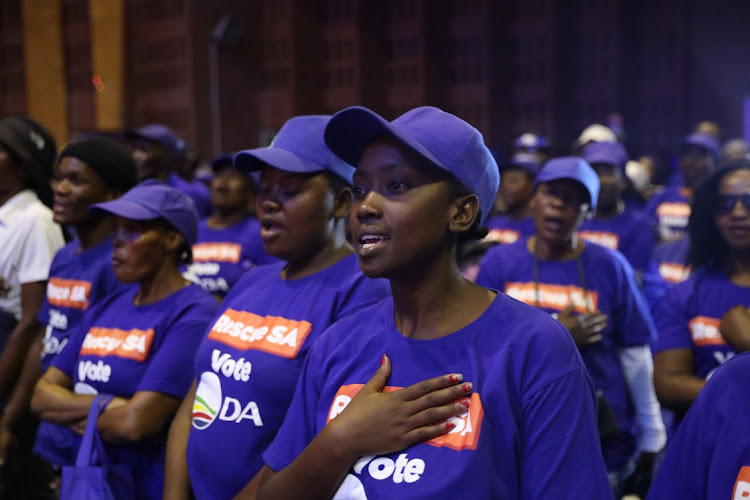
pixel 504 236
pixel 271 334
pixel 217 252
pixel 556 297
pixel 74 294
pixel 673 209
pixel 131 344
pixel 705 331
pixel 603 238
pixel 464 436
pixel 742 485
pixel 674 273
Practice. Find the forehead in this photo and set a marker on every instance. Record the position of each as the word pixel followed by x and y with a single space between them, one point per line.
pixel 565 185
pixel 273 174
pixel 605 169
pixel 388 154
pixel 736 182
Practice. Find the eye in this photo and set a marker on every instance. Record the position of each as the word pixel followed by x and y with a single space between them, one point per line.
pixel 359 192
pixel 397 186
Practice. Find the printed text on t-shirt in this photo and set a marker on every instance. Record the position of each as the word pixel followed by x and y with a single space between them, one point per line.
pixel 68 293
pixel 556 297
pixel 131 344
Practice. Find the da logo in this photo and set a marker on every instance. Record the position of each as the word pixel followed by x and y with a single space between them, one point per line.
pixel 207 400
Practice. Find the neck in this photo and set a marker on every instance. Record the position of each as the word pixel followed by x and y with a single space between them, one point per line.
pixel 91 234
pixel 164 283
pixel 335 249
pixel 608 212
pixel 437 301
pixel 224 218
pixel 558 250
pixel 739 265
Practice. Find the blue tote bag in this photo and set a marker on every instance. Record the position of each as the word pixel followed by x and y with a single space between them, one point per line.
pixel 93 477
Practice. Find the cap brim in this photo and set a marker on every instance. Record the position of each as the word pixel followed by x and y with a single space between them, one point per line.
pixel 351 130
pixel 252 160
pixel 125 208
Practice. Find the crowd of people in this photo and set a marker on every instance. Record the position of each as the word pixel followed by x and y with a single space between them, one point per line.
pixel 370 308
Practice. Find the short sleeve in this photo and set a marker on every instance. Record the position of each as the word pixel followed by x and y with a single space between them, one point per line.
pixel 40 240
pixel 672 317
pixel 169 370
pixel 66 360
pixel 641 243
pixel 299 427
pixel 632 318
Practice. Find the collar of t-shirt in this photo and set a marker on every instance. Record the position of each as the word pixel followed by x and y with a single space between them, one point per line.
pixel 15 205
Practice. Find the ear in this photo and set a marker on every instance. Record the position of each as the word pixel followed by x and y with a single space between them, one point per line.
pixel 172 241
pixel 463 212
pixel 342 203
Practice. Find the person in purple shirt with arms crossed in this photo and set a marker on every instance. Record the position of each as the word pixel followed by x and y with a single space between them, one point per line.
pixel 475 395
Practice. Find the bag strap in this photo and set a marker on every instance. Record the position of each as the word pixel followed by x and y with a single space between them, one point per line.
pixel 91 441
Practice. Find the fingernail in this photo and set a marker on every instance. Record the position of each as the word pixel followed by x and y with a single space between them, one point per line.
pixel 456 378
pixel 450 426
pixel 467 387
pixel 464 404
pixel 382 360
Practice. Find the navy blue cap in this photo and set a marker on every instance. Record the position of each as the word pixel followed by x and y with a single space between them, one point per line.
pixel 161 134
pixel 443 139
pixel 298 147
pixel 611 153
pixel 574 168
pixel 707 141
pixel 154 199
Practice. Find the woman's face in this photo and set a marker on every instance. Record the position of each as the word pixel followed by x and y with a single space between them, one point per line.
pixel 732 210
pixel 77 186
pixel 297 213
pixel 141 247
pixel 401 211
pixel 231 190
pixel 515 188
pixel 559 207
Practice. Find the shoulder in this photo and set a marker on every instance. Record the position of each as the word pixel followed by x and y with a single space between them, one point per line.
pixel 196 299
pixel 66 254
pixel 603 257
pixel 515 250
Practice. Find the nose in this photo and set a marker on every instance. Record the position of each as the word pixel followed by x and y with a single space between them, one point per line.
pixel 369 207
pixel 739 209
pixel 267 203
pixel 61 186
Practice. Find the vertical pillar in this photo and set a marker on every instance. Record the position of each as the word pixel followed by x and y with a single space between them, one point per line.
pixel 108 62
pixel 45 65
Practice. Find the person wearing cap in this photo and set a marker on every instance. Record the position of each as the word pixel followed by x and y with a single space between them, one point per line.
pixel 533 148
pixel 184 179
pixel 471 382
pixel 592 292
pixel 703 321
pixel 670 207
pixel 248 363
pixel 135 344
pixel 613 224
pixel 229 240
pixel 516 179
pixel 596 132
pixel 86 172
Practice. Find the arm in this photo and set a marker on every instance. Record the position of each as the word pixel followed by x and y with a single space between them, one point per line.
pixel 22 337
pixel 141 417
pixel 638 369
pixel 674 380
pixel 735 328
pixel 176 479
pixel 53 399
pixel 372 423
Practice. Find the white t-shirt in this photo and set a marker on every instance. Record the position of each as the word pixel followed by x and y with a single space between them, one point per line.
pixel 29 239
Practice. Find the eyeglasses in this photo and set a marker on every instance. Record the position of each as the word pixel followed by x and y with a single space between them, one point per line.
pixel 725 203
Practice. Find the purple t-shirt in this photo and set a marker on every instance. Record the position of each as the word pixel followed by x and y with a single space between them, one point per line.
pixel 670 211
pixel 77 282
pixel 612 290
pixel 530 432
pixel 122 348
pixel 710 454
pixel 670 259
pixel 630 233
pixel 222 256
pixel 504 230
pixel 249 363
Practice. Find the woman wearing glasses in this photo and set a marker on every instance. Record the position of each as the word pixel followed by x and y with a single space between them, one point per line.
pixel 704 321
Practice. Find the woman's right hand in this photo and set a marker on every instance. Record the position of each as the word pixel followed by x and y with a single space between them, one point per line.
pixel 377 422
pixel 586 329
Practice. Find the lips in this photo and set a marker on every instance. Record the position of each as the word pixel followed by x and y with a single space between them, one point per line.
pixel 270 228
pixel 371 242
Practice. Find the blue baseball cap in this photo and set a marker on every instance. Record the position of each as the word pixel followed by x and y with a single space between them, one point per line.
pixel 298 147
pixel 161 134
pixel 611 153
pixel 574 168
pixel 154 199
pixel 523 160
pixel 707 141
pixel 531 141
pixel 443 139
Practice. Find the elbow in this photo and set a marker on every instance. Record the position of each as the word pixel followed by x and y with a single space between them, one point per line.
pixel 125 429
pixel 38 398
